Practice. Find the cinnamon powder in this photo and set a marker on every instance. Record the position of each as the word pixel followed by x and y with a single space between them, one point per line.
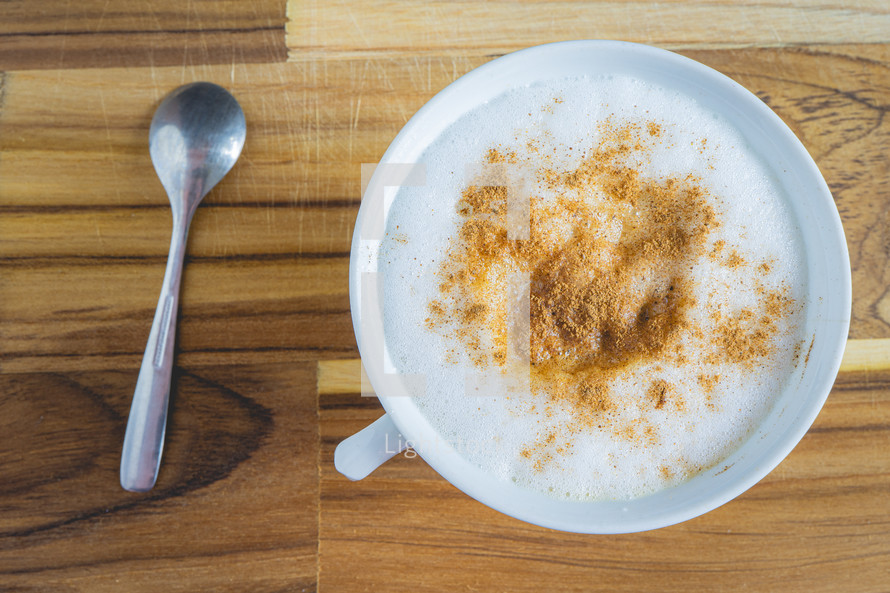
pixel 610 257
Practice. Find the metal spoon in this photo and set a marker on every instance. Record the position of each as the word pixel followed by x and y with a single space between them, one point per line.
pixel 195 138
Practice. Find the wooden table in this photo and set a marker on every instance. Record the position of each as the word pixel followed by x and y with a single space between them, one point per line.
pixel 267 382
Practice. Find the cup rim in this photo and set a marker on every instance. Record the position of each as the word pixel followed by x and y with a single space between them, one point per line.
pixel 739 473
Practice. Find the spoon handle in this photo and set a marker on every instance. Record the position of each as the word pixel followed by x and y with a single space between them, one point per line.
pixel 144 439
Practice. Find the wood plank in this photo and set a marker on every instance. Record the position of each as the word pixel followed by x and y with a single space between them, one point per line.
pixel 816 523
pixel 266 272
pixel 57 34
pixel 866 356
pixel 309 130
pixel 387 28
pixel 235 506
pixel 340 376
pixel 110 234
pixel 97 316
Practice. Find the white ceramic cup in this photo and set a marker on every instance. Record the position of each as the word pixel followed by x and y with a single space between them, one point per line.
pixel 828 292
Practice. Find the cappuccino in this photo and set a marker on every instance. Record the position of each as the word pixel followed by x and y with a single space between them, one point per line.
pixel 600 283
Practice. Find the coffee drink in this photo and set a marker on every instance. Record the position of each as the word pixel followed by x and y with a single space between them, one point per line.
pixel 600 283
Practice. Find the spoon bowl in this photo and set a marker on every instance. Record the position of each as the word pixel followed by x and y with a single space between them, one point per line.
pixel 196 136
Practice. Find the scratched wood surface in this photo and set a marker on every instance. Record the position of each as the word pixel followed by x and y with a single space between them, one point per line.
pixel 267 378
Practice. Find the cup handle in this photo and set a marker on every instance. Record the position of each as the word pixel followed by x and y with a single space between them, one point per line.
pixel 366 450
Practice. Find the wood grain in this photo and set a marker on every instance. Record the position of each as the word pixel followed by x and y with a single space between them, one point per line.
pixel 267 379
pixel 235 507
pixel 99 34
pixel 386 28
pixel 266 271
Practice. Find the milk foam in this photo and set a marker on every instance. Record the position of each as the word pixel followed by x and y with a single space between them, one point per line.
pixel 491 431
